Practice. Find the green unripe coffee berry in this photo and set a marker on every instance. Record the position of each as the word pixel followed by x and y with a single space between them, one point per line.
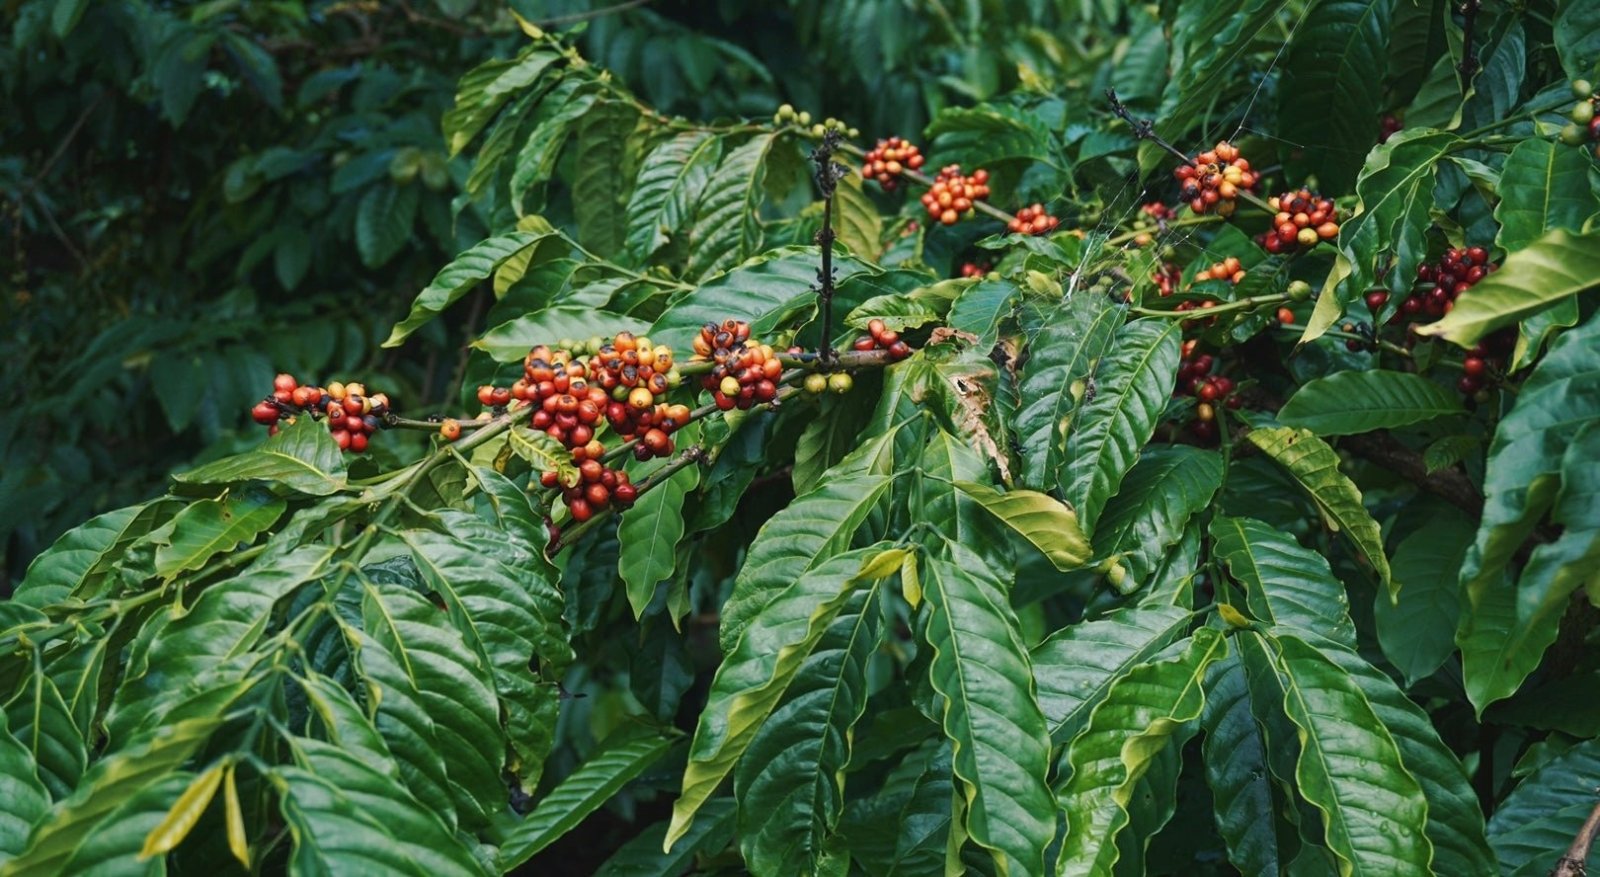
pixel 1582 112
pixel 818 130
pixel 816 383
pixel 1574 135
pixel 804 119
pixel 1299 290
pixel 841 382
pixel 1581 89
pixel 786 113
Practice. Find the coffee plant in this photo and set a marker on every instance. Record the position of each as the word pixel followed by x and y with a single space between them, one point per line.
pixel 1179 462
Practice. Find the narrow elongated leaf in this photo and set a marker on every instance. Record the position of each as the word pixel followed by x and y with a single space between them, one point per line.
pixel 617 759
pixel 857 222
pixel 1418 632
pixel 1285 584
pixel 211 526
pixel 981 309
pixel 789 780
pixel 775 283
pixel 1339 52
pixel 1076 666
pixel 916 797
pixel 649 535
pixel 1350 768
pixel 810 530
pixel 726 227
pixel 383 222
pixel 757 671
pixel 1548 270
pixel 485 89
pixel 548 133
pixel 335 834
pixel 671 181
pixel 81 554
pixel 1360 401
pixel 1046 523
pixel 455 279
pixel 1247 804
pixel 1133 384
pixel 1153 705
pixel 1544 185
pixel 826 439
pixel 180 819
pixel 1157 498
pixel 980 670
pixel 603 176
pixel 302 457
pixel 1316 467
pixel 116 845
pixel 25 796
pixel 1536 823
pixel 1061 359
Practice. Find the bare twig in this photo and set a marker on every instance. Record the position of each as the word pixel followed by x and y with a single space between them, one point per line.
pixel 1143 129
pixel 574 18
pixel 1572 863
pixel 828 175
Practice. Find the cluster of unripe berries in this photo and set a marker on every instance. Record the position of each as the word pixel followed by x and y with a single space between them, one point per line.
pixel 742 373
pixel 889 159
pixel 881 337
pixel 1456 271
pixel 350 413
pixel 595 487
pixel 1032 220
pixel 1215 179
pixel 1302 220
pixel 1210 390
pixel 952 194
pixel 786 115
pixel 1584 116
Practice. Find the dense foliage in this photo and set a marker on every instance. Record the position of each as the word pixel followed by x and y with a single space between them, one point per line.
pixel 1050 491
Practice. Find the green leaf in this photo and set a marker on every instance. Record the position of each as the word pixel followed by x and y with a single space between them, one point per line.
pixel 810 530
pixel 1361 401
pixel 25 796
pixel 789 782
pixel 727 229
pixel 1350 768
pixel 1339 52
pixel 760 665
pixel 602 178
pixel 185 811
pixel 517 515
pixel 211 526
pixel 980 670
pixel 981 309
pixel 1418 632
pixel 1075 668
pixel 1153 705
pixel 456 278
pixel 616 760
pixel 1167 487
pixel 1316 467
pixel 672 179
pixel 111 782
pixel 84 555
pixel 988 134
pixel 1549 270
pixel 828 436
pixel 485 89
pixel 41 722
pixel 1285 585
pixel 1247 804
pixel 1543 185
pixel 1062 357
pixel 1045 522
pixel 775 283
pixel 551 128
pixel 301 457
pixel 510 615
pixel 509 342
pixel 917 797
pixel 1577 37
pixel 1536 823
pixel 649 535
pixel 1133 385
pixel 115 846
pixel 383 222
pixel 65 15
pixel 857 222
pixel 644 857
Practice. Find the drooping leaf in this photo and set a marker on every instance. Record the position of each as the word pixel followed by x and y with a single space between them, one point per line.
pixel 649 534
pixel 211 526
pixel 185 811
pixel 1061 359
pixel 1536 823
pixel 1076 666
pixel 1155 502
pixel 857 222
pixel 1360 401
pixel 1133 384
pixel 1285 585
pixel 1247 804
pixel 726 226
pixel 1043 521
pixel 981 309
pixel 1339 52
pixel 1153 705
pixel 1316 467
pixel 1548 270
pixel 644 856
pixel 25 796
pixel 384 219
pixel 603 177
pixel 458 277
pixel 616 760
pixel 485 89
pixel 1544 185
pixel 39 720
pixel 671 181
pixel 1418 632
pixel 84 554
pixel 302 457
pixel 981 672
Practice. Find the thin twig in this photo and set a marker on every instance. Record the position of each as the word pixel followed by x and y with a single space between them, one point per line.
pixel 1572 864
pixel 1144 129
pixel 574 18
pixel 827 176
pixel 1469 57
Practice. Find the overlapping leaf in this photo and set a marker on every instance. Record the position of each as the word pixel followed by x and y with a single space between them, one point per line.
pixel 671 181
pixel 1285 585
pixel 1247 804
pixel 1155 502
pixel 458 277
pixel 1045 522
pixel 649 535
pixel 1548 270
pixel 1538 820
pixel 1360 401
pixel 1061 359
pixel 1339 53
pixel 302 457
pixel 1418 631
pixel 1077 665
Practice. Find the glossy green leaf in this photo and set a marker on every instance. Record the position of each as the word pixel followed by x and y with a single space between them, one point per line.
pixel 1285 585
pixel 82 557
pixel 761 664
pixel 1150 706
pixel 727 228
pixel 1132 386
pixel 1246 801
pixel 458 277
pixel 302 457
pixel 776 282
pixel 806 533
pixel 616 760
pixel 935 497
pixel 915 796
pixel 1316 467
pixel 856 220
pixel 1350 767
pixel 1552 268
pixel 1077 665
pixel 827 438
pixel 982 308
pixel 649 534
pixel 1536 823
pixel 788 783
pixel 1162 491
pixel 1046 523
pixel 644 857
pixel 38 719
pixel 549 131
pixel 1339 52
pixel 1360 401
pixel 211 526
pixel 25 796
pixel 1577 37
pixel 1544 185
pixel 384 219
pixel 485 89
pixel 520 520
pixel 510 341
pixel 981 672
pixel 672 179
pixel 1418 632
pixel 602 179
pixel 185 811
pixel 115 846
pixel 1061 359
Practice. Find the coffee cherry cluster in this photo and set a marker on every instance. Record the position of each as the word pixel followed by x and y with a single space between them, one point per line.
pixel 1389 126
pixel 350 413
pixel 1193 305
pixel 889 159
pixel 1032 220
pixel 1151 217
pixel 1584 116
pixel 881 337
pixel 1167 276
pixel 744 373
pixel 1195 379
pixel 1303 219
pixel 975 269
pixel 1454 273
pixel 1228 269
pixel 596 488
pixel 1215 179
pixel 952 194
pixel 635 376
pixel 1488 356
pixel 566 406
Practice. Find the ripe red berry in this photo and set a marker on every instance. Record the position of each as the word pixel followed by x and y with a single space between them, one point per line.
pixel 1473 366
pixel 625 494
pixel 265 413
pixel 284 382
pixel 580 510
